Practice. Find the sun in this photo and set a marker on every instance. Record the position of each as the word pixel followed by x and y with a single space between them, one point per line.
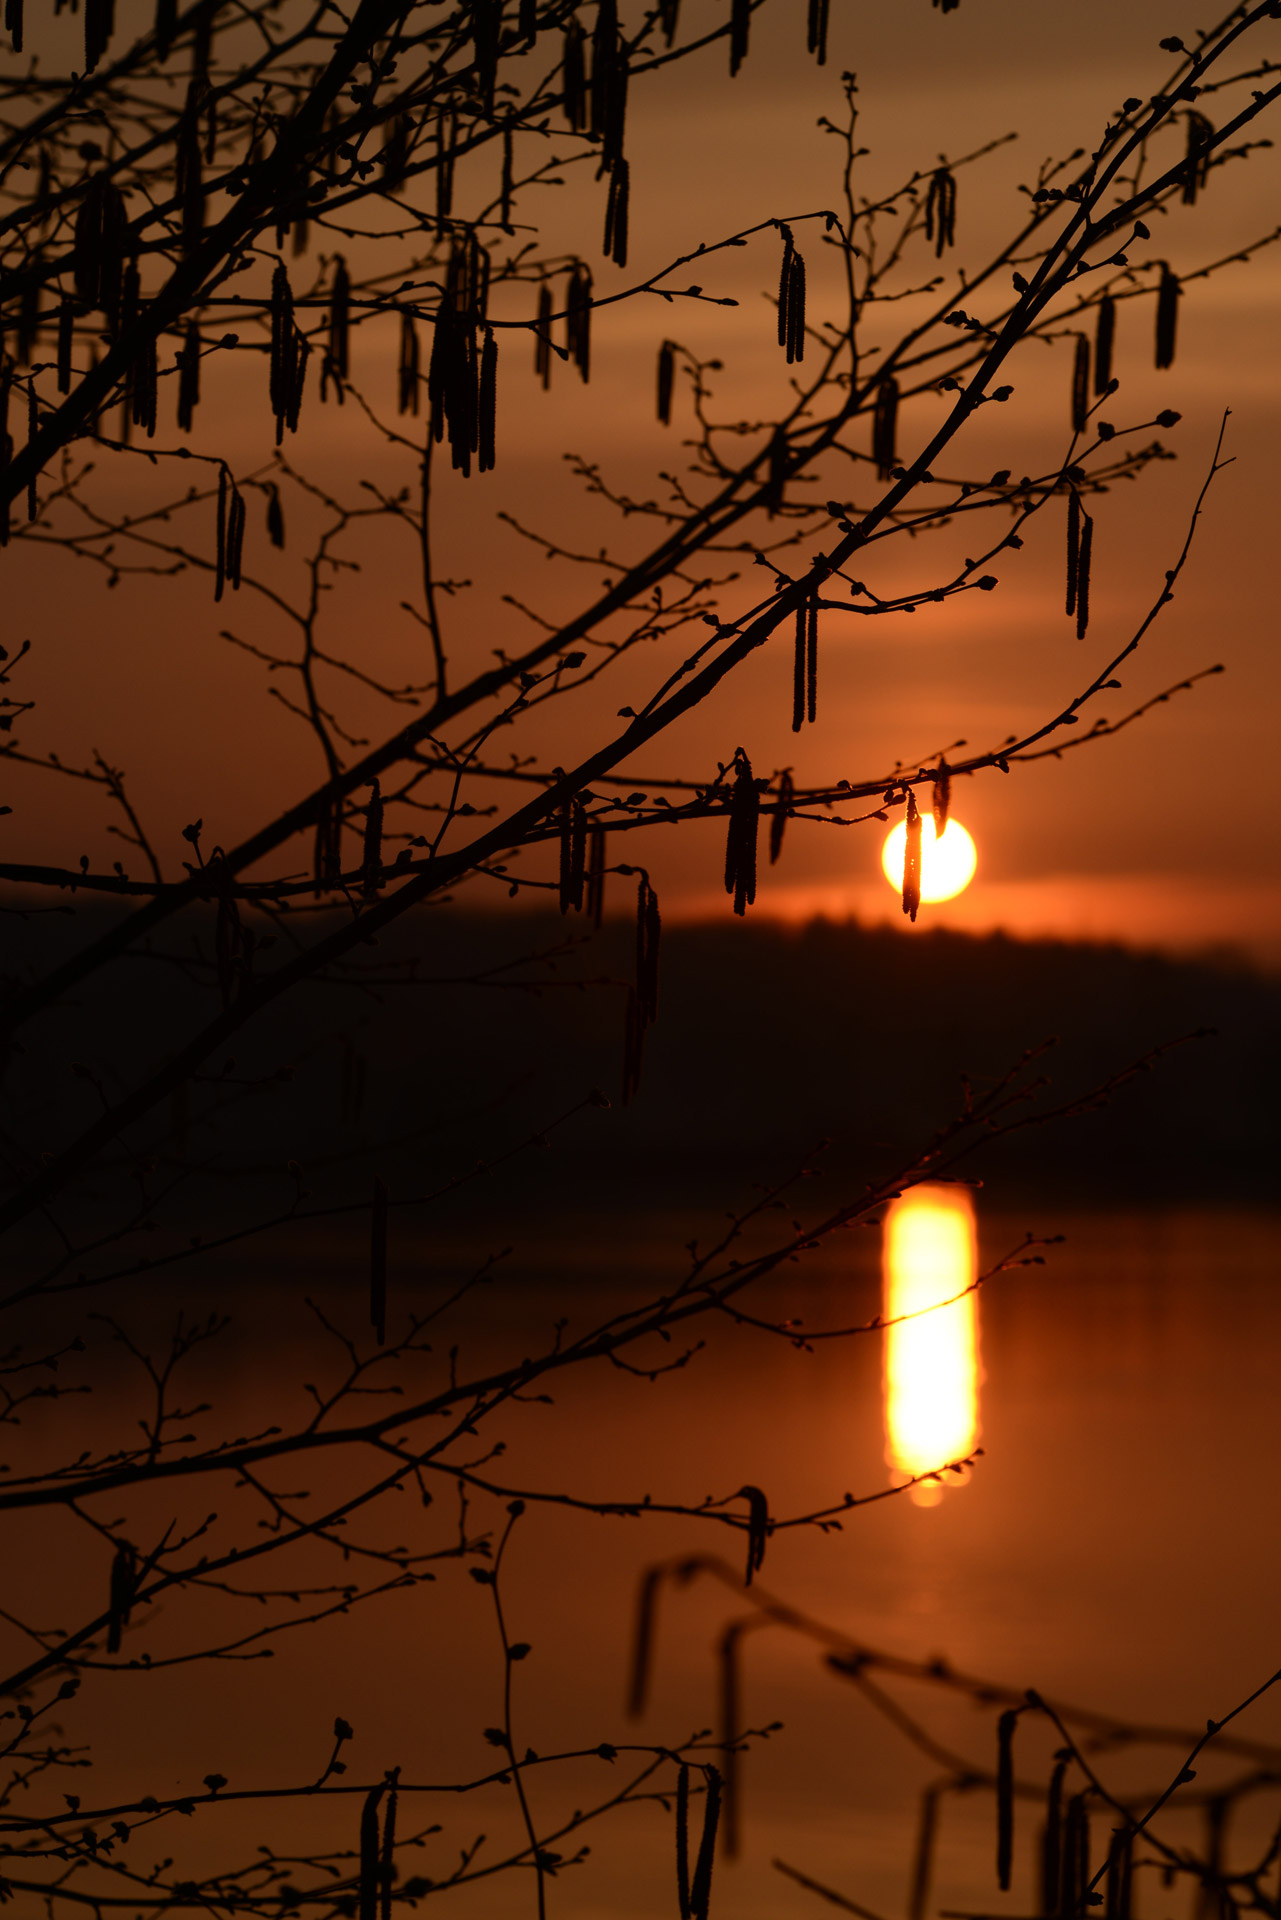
pixel 947 860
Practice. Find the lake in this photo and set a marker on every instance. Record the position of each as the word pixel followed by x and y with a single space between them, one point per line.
pixel 1114 1547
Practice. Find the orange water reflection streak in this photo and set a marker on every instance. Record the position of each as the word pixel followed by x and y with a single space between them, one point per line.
pixel 931 1361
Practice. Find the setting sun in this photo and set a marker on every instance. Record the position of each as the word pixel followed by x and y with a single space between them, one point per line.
pixel 948 860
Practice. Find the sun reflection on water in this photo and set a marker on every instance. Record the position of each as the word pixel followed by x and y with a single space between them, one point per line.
pixel 931 1362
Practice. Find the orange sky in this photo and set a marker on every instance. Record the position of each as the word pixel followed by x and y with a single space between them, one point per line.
pixel 1168 835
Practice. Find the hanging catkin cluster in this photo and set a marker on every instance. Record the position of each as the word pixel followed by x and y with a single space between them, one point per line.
pixel 289 355
pixel 642 999
pixel 99 246
pixel 740 841
pixel 805 663
pixel 791 299
pixel 462 378
pixel 940 210
pixel 1080 543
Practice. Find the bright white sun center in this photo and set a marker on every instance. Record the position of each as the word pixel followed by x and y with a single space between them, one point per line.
pixel 947 860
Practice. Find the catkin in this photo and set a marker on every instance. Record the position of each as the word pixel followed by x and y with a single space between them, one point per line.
pixel 816 30
pixel 1005 1796
pixel 487 19
pixel 574 76
pixel 66 340
pixel 666 378
pixel 368 1898
pixel 1052 1845
pixel 729 1724
pixel 1120 1862
pixel 275 515
pixel 13 21
pixel 506 187
pixel 740 840
pixel 338 350
pixel 682 1842
pixel 1167 317
pixel 166 26
pixel 776 477
pixel 791 299
pixel 100 24
pixel 643 1641
pixel 923 1866
pixel 487 402
pixel 529 21
pixel 228 936
pixel 578 320
pixel 912 859
pixel 407 377
pixel 220 535
pixel 616 210
pixel 371 865
pixel 378 1263
pixel 1196 166
pixel 188 377
pixel 942 798
pixel 543 338
pixel 940 210
pixel 1104 337
pixel 98 247
pixel 1080 383
pixel 757 1530
pixel 596 875
pixel 885 428
pixel 387 1855
pixel 573 855
pixel 33 428
pixel 189 169
pixel 798 669
pixel 446 142
pixel 700 1892
pixel 235 536
pixel 779 819
pixel 669 12
pixel 1083 576
pixel 120 1594
pixel 740 27
pixel 1073 549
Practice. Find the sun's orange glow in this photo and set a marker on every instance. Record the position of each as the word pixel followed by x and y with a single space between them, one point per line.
pixel 931 1360
pixel 948 859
